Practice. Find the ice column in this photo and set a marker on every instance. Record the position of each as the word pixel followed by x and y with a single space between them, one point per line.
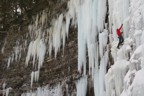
pixel 82 86
pixel 99 76
pixel 89 25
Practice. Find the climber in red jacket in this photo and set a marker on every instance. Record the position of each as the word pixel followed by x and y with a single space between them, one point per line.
pixel 119 33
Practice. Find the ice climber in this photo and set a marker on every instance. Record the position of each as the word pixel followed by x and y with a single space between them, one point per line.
pixel 119 33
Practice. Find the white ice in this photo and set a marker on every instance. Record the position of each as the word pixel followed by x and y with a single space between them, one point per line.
pixel 46 91
pixel 81 86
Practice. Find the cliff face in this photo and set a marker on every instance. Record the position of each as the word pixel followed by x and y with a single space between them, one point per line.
pixel 16 76
pixel 54 70
pixel 59 64
pixel 69 48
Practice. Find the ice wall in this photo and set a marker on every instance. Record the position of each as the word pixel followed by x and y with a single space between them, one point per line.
pixel 89 26
pixel 118 16
pixel 92 40
pixel 124 78
pixel 99 76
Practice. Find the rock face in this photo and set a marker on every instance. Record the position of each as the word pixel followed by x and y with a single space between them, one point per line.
pixel 54 70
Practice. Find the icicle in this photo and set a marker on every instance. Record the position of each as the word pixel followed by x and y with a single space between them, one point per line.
pixel 87 30
pixel 63 34
pixel 36 22
pixel 57 34
pixel 73 9
pixel 43 18
pixel 99 76
pixel 50 47
pixel 81 53
pixel 30 48
pixel 96 83
pixel 67 23
pixel 34 50
pixel 81 43
pixel 19 56
pixel 30 29
pixel 32 78
pixel 92 54
pixel 101 14
pixel 103 42
pixel 36 76
pixel 41 50
pixel 7 91
pixel 102 72
pixel 4 85
pixel 2 50
pixel 82 86
pixel 16 49
pixel 9 61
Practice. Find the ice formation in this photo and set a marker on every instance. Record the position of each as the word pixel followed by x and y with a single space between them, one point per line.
pixel 3 48
pixel 82 86
pixel 5 91
pixel 124 77
pixel 129 74
pixel 99 76
pixel 46 91
pixel 89 25
pixel 34 77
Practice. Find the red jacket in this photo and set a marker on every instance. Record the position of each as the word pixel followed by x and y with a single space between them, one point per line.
pixel 119 31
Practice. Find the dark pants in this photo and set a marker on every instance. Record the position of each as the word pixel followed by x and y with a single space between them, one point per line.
pixel 121 40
